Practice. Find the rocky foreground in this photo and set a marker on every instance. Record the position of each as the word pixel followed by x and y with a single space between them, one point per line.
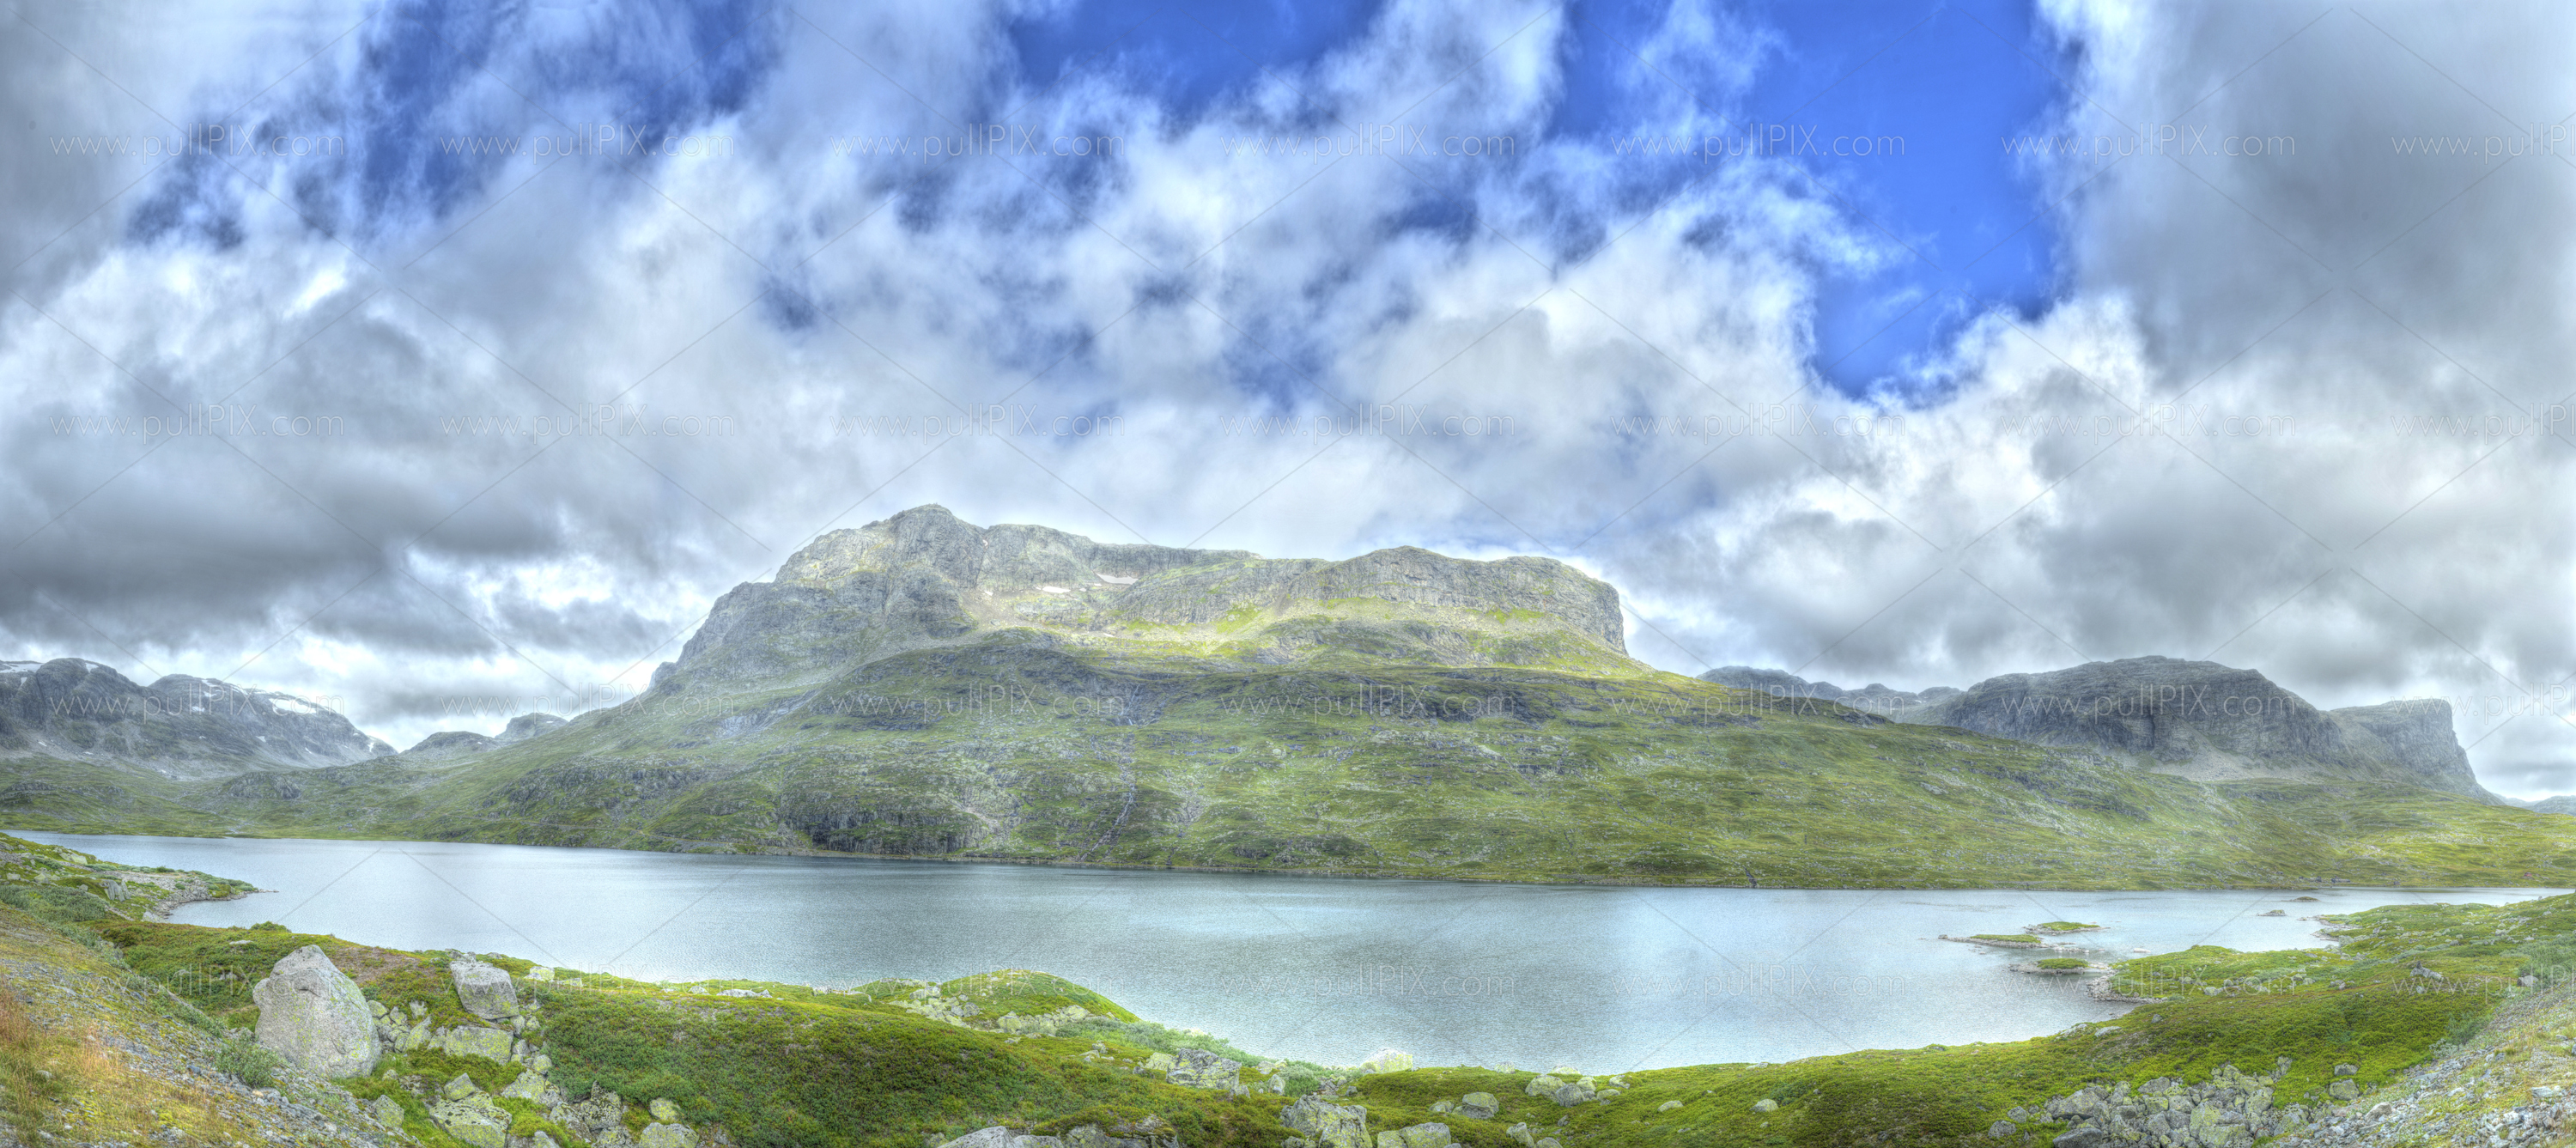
pixel 2427 1023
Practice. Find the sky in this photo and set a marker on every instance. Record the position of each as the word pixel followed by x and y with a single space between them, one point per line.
pixel 446 361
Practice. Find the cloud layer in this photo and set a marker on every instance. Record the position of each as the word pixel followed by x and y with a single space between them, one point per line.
pixel 2297 410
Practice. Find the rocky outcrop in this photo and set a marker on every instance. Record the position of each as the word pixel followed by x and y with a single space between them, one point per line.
pixel 526 726
pixel 179 726
pixel 924 578
pixel 1320 1123
pixel 312 1014
pixel 2230 1110
pixel 451 743
pixel 2213 723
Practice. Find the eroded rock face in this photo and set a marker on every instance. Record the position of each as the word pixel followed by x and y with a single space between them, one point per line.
pixel 312 1014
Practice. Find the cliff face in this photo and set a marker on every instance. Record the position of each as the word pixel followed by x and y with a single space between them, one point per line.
pixel 2213 723
pixel 924 578
pixel 179 726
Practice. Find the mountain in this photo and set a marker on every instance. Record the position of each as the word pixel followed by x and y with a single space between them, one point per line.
pixel 923 579
pixel 2562 803
pixel 1781 683
pixel 923 687
pixel 179 726
pixel 2199 720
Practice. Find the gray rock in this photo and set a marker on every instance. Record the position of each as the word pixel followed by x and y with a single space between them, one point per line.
pixel 2082 1138
pixel 663 1110
pixel 459 1087
pixel 1416 1136
pixel 1326 1124
pixel 313 1015
pixel 666 1136
pixel 1479 1106
pixel 386 1110
pixel 492 1044
pixel 1199 1068
pixel 1521 1135
pixel 994 1137
pixel 1542 1085
pixel 2001 1128
pixel 1569 1095
pixel 484 990
pixel 474 1119
pixel 600 1120
pixel 2347 1070
pixel 1668 1106
pixel 2344 1090
pixel 532 1086
pixel 1766 1104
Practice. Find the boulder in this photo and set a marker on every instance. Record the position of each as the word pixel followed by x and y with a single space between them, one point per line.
pixel 1569 1095
pixel 1675 1105
pixel 313 1015
pixel 663 1110
pixel 532 1086
pixel 1521 1135
pixel 666 1136
pixel 1326 1124
pixel 492 1044
pixel 600 1120
pixel 1388 1060
pixel 1542 1085
pixel 1766 1104
pixel 1417 1136
pixel 386 1110
pixel 994 1137
pixel 484 990
pixel 2082 1138
pixel 2001 1128
pixel 473 1119
pixel 1479 1106
pixel 1199 1068
pixel 2344 1090
pixel 459 1088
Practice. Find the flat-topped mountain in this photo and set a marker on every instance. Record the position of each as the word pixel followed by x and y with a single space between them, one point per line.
pixel 2192 719
pixel 923 687
pixel 923 579
pixel 179 726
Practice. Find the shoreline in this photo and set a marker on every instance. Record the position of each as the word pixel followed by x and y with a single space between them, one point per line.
pixel 1568 880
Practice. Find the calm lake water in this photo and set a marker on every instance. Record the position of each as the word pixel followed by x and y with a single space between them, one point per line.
pixel 1606 979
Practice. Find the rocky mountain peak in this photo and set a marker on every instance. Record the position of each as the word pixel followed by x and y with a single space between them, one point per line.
pixel 180 725
pixel 925 577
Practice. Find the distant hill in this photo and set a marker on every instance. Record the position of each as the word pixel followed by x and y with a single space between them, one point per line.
pixel 179 726
pixel 2199 720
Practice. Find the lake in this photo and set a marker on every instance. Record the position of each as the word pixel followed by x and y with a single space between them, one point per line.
pixel 1607 979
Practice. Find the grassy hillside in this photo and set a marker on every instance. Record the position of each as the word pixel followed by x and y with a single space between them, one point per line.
pixel 2300 1040
pixel 1014 747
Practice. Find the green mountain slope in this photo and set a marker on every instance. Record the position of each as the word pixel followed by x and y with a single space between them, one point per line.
pixel 927 688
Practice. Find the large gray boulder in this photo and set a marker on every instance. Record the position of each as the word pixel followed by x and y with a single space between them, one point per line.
pixel 484 990
pixel 312 1014
pixel 1199 1068
pixel 1327 1125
